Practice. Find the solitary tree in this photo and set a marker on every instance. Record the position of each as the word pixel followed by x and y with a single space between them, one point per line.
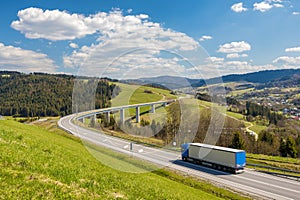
pixel 237 141
pixel 291 147
pixel 282 148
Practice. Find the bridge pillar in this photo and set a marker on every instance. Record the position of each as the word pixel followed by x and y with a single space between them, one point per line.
pixel 137 114
pixel 107 116
pixel 122 116
pixel 94 117
pixel 153 108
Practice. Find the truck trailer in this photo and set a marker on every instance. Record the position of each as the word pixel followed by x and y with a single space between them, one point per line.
pixel 220 158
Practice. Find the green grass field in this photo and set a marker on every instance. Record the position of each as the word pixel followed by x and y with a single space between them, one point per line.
pixel 235 115
pixel 275 161
pixel 135 94
pixel 46 163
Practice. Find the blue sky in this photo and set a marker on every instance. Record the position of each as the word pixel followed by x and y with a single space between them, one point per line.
pixel 131 38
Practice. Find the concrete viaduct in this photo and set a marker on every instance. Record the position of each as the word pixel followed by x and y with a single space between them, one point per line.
pixel 121 109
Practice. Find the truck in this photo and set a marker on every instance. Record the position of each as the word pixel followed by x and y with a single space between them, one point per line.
pixel 220 158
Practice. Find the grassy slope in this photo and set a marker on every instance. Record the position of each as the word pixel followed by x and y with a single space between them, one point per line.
pixel 275 161
pixel 256 127
pixel 36 163
pixel 134 94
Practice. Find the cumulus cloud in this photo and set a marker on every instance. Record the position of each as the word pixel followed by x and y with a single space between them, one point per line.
pixel 73 45
pixel 124 42
pixel 234 47
pixel 133 44
pixel 288 60
pixel 293 49
pixel 278 5
pixel 238 7
pixel 61 25
pixel 205 37
pixel 262 6
pixel 15 58
pixel 236 55
pixel 296 13
pixel 215 60
pixel 267 5
pixel 54 24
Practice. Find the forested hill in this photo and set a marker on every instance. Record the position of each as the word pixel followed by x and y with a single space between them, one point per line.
pixel 261 77
pixel 38 94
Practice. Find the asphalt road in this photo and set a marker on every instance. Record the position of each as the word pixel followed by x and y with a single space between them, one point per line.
pixel 257 184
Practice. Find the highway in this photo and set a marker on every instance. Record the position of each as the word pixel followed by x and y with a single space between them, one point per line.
pixel 256 184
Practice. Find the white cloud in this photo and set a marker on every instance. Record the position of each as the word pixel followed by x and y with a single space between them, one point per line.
pixel 237 63
pixel 288 60
pixel 54 24
pixel 131 45
pixel 234 47
pixel 60 25
pixel 233 55
pixel 293 49
pixel 15 58
pixel 73 45
pixel 278 5
pixel 267 5
pixel 215 60
pixel 262 6
pixel 236 55
pixel 238 7
pixel 234 67
pixel 124 43
pixel 296 13
pixel 205 37
pixel 129 11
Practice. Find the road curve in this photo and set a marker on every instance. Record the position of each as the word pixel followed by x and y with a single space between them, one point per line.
pixel 250 182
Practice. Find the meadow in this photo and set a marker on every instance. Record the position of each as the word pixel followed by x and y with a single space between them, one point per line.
pixel 39 161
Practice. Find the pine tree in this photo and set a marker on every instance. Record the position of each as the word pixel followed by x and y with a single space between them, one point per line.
pixel 237 141
pixel 282 148
pixel 291 147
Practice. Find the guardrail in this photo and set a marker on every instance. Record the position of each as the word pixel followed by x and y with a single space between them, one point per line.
pixel 285 172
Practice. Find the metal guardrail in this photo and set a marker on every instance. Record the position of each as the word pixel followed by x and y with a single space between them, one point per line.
pixel 285 171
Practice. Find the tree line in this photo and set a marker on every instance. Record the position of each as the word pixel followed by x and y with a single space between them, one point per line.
pixel 254 110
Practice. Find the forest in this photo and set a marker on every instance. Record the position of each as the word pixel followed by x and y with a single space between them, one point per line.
pixel 40 95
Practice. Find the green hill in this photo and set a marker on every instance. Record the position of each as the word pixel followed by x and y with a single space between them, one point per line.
pixel 39 94
pixel 37 163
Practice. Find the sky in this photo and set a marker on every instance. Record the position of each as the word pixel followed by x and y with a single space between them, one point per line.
pixel 132 38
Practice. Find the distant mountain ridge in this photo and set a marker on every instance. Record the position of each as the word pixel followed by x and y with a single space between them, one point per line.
pixel 175 82
pixel 168 82
pixel 261 76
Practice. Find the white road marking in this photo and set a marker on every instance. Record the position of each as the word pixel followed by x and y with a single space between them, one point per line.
pixel 268 184
pixel 273 177
pixel 141 151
